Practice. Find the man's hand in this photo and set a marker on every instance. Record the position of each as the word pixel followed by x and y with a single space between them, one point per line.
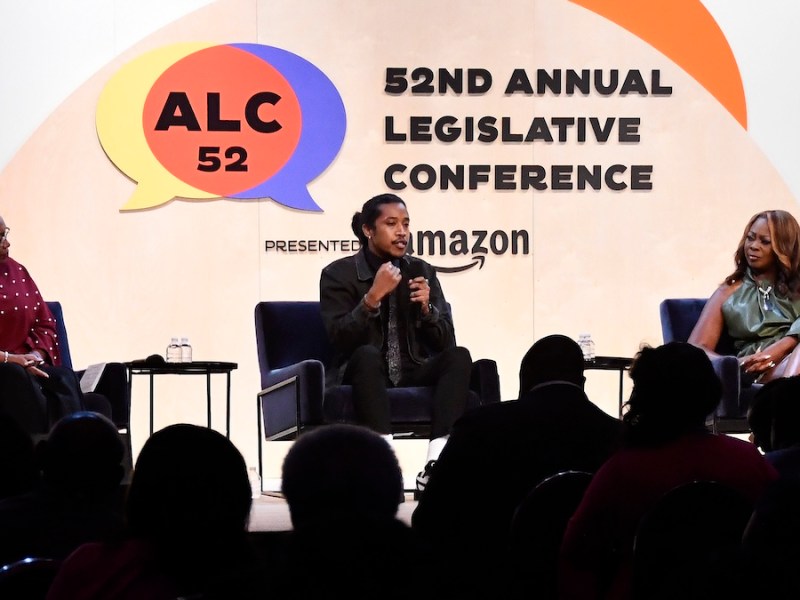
pixel 421 293
pixel 386 280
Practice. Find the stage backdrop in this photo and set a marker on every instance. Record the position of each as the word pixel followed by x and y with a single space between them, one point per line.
pixel 566 164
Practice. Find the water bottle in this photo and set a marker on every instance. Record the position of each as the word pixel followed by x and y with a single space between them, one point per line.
pixel 587 346
pixel 186 350
pixel 255 482
pixel 173 351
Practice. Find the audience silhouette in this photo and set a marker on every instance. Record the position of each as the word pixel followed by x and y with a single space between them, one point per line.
pixel 18 470
pixel 667 445
pixel 774 419
pixel 771 543
pixel 497 454
pixel 79 498
pixel 688 542
pixel 187 512
pixel 343 485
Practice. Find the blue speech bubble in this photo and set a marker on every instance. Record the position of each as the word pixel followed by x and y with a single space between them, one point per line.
pixel 324 123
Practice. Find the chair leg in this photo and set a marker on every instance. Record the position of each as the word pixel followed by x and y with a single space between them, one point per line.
pixel 127 460
pixel 260 441
pixel 712 422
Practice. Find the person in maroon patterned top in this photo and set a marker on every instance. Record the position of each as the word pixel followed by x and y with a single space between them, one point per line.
pixel 34 388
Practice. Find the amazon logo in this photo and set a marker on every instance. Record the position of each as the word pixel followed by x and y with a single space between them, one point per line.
pixel 474 246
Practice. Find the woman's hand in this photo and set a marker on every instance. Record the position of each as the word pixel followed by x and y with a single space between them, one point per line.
pixel 758 363
pixel 770 362
pixel 30 362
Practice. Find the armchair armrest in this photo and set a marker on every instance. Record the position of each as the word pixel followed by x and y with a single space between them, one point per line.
pixel 485 381
pixel 292 398
pixel 113 385
pixel 727 369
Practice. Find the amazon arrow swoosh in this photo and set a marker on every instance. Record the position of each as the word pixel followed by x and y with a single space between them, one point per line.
pixel 476 260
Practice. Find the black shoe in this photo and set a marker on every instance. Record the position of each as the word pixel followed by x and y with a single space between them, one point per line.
pixel 422 479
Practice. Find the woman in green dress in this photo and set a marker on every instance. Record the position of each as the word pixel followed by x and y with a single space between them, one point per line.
pixel 759 303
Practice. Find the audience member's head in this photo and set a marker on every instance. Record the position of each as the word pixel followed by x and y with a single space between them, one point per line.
pixel 18 470
pixel 774 416
pixel 82 456
pixel 188 482
pixel 674 389
pixel 552 358
pixel 341 473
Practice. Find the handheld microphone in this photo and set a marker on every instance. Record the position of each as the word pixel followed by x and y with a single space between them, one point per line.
pixel 414 269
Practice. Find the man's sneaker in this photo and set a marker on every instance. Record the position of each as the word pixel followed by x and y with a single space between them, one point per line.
pixel 422 479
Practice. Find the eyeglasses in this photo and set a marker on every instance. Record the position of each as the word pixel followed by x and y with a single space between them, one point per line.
pixel 4 235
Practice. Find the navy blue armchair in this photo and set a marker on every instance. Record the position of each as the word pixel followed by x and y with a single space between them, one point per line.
pixel 678 318
pixel 113 383
pixel 293 350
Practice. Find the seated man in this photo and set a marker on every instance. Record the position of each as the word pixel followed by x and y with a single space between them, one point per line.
pixel 552 427
pixel 389 325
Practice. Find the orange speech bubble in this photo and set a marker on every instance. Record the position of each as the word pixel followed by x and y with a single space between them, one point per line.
pixel 227 130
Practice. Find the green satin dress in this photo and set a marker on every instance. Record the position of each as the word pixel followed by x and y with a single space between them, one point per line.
pixel 756 317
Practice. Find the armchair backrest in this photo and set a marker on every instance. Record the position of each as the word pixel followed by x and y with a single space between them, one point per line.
pixel 289 332
pixel 61 331
pixel 683 537
pixel 680 315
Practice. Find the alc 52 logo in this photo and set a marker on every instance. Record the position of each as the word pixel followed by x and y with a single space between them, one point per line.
pixel 241 121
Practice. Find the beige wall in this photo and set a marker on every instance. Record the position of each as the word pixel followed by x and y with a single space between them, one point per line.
pixel 600 261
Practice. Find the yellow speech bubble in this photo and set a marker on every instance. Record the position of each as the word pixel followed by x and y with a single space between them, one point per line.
pixel 120 130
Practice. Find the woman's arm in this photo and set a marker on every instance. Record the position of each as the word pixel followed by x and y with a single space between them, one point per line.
pixel 711 324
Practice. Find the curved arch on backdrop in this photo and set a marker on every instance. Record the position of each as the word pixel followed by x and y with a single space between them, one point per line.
pixel 686 33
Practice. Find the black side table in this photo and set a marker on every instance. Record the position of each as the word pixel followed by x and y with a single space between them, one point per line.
pixel 207 368
pixel 611 363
